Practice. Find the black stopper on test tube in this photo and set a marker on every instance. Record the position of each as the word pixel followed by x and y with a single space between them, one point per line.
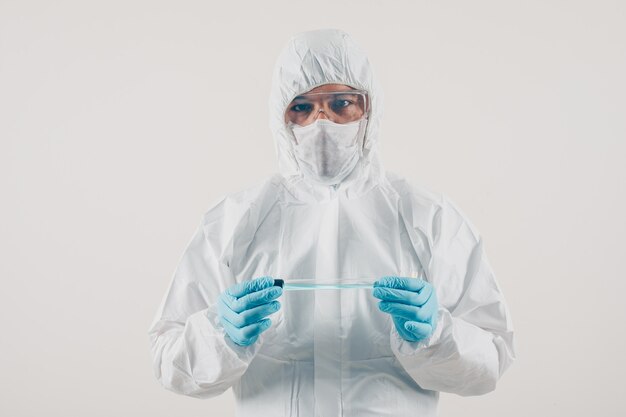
pixel 279 282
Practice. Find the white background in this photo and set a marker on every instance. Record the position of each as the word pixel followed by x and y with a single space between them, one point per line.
pixel 121 122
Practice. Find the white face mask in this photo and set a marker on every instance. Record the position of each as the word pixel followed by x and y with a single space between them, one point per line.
pixel 326 151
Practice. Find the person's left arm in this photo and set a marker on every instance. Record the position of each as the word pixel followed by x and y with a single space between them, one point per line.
pixel 453 331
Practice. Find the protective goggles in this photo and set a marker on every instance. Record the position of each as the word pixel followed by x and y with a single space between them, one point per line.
pixel 336 106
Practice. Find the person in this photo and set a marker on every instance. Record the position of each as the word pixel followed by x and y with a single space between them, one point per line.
pixel 434 321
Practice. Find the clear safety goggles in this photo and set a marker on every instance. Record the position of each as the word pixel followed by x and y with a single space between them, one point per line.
pixel 336 106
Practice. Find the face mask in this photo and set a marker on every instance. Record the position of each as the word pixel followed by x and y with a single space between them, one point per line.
pixel 326 151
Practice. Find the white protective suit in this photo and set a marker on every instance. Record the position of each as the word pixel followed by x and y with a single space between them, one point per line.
pixel 332 352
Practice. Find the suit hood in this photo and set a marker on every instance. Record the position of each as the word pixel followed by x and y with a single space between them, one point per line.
pixel 315 58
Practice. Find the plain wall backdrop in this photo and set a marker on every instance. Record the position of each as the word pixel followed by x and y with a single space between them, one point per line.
pixel 121 122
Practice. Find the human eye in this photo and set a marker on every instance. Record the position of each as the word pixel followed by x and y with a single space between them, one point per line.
pixel 341 104
pixel 301 107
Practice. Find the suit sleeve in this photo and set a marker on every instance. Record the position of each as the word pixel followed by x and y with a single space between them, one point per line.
pixel 191 353
pixel 472 343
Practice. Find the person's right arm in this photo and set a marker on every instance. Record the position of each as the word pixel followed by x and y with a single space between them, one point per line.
pixel 192 352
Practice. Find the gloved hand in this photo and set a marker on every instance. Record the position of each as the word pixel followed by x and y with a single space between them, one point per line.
pixel 412 304
pixel 243 309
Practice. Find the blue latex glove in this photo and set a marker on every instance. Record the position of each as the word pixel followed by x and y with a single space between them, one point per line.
pixel 243 309
pixel 412 304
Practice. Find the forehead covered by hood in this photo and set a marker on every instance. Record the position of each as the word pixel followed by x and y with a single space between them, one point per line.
pixel 311 59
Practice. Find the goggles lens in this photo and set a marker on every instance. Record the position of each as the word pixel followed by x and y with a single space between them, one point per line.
pixel 337 106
